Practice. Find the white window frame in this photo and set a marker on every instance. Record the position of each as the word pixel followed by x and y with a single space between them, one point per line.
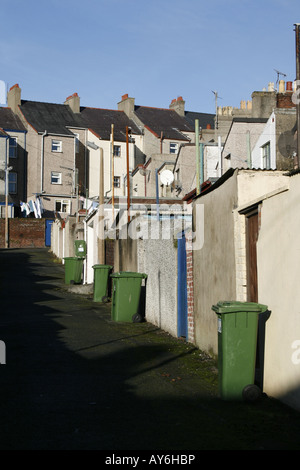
pixel 56 146
pixel 12 182
pixel 174 147
pixel 65 206
pixel 266 155
pixel 56 175
pixel 13 145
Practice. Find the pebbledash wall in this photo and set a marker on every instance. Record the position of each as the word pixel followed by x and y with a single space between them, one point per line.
pixel 23 233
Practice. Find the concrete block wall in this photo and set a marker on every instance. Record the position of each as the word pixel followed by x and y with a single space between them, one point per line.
pixel 190 288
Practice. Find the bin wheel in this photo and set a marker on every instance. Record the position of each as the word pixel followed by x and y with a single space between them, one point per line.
pixel 104 299
pixel 137 318
pixel 251 393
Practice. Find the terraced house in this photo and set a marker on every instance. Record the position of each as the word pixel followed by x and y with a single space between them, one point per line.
pixel 55 158
pixel 13 161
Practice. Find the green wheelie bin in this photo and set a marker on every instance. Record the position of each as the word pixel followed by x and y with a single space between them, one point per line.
pixel 80 248
pixel 73 269
pixel 126 296
pixel 101 276
pixel 237 343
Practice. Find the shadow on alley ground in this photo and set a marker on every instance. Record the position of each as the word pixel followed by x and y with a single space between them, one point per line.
pixel 74 379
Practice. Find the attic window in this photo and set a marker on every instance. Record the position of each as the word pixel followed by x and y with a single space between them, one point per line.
pixel 56 146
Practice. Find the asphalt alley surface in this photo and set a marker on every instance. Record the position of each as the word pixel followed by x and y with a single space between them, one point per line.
pixel 76 380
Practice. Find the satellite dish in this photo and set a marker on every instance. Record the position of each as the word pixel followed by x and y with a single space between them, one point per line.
pixel 167 177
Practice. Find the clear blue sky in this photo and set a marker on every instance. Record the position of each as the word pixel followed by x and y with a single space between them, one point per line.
pixel 154 50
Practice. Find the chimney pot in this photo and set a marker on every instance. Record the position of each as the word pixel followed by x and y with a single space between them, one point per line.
pixel 124 97
pixel 281 86
pixel 72 96
pixel 289 86
pixel 14 86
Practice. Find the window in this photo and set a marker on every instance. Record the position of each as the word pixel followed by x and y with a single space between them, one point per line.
pixel 266 156
pixel 76 142
pixel 117 150
pixel 56 146
pixel 62 205
pixel 55 177
pixel 12 147
pixel 12 183
pixel 117 182
pixel 173 147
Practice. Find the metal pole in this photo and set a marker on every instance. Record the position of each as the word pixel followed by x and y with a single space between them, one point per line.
pixel 128 180
pixel 197 157
pixel 113 172
pixel 297 29
pixel 101 242
pixel 157 194
pixel 201 164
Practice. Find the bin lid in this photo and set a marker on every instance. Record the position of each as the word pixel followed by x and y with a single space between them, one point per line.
pixel 235 306
pixel 104 266
pixel 129 274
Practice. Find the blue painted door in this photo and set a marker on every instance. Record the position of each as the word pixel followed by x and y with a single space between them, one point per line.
pixel 182 320
pixel 49 223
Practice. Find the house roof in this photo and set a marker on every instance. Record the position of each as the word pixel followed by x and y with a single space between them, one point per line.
pixel 50 117
pixel 203 118
pixel 100 121
pixel 10 121
pixel 166 121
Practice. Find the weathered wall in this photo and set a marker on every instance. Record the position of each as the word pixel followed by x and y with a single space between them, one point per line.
pixel 23 233
pixel 158 259
pixel 214 264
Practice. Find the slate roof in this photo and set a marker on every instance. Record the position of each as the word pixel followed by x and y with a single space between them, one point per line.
pixel 203 118
pixel 50 117
pixel 9 121
pixel 163 120
pixel 100 121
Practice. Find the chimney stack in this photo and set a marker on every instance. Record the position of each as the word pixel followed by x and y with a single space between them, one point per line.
pixel 14 98
pixel 127 105
pixel 178 106
pixel 74 102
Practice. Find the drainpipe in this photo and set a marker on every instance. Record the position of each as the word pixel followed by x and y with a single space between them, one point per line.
pixel 6 194
pixel 85 259
pixel 42 161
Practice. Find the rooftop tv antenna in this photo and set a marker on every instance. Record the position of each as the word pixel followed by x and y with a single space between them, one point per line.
pixel 216 106
pixel 279 73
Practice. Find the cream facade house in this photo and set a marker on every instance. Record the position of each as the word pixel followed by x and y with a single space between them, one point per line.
pixel 120 140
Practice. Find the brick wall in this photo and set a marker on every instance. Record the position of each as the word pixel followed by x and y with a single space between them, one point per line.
pixel 23 233
pixel 109 251
pixel 190 288
pixel 284 100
